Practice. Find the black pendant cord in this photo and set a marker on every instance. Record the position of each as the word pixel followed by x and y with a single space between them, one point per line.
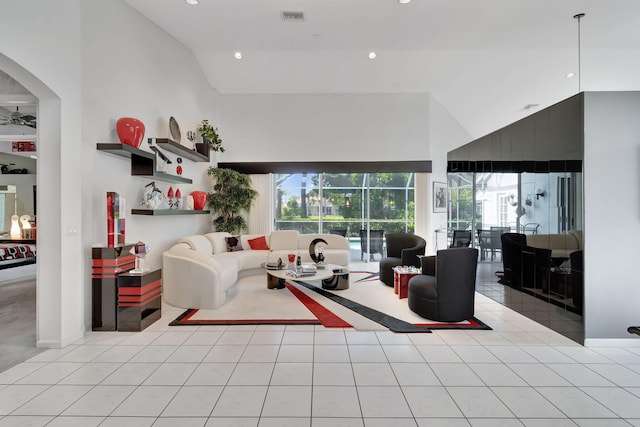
pixel 579 16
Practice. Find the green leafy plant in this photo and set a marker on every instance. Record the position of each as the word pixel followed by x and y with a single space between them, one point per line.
pixel 232 194
pixel 210 135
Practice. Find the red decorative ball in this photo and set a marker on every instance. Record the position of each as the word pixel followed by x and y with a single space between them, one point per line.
pixel 199 199
pixel 130 131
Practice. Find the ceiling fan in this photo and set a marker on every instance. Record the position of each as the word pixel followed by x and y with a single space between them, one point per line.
pixel 17 118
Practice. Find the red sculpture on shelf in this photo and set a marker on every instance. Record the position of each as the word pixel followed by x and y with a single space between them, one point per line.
pixel 199 199
pixel 130 131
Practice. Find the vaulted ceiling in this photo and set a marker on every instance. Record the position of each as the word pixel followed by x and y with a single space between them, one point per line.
pixel 484 61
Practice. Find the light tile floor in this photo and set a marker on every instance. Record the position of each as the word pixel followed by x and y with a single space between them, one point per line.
pixel 518 374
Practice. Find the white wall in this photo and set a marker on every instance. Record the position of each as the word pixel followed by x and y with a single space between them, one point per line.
pixel 325 127
pixel 445 134
pixel 137 71
pixel 612 213
pixel 46 60
pixel 90 62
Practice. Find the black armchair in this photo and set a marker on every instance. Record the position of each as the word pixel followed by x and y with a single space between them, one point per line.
pixel 402 249
pixel 445 291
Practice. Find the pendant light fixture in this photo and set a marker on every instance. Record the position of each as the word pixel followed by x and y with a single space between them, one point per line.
pixel 579 16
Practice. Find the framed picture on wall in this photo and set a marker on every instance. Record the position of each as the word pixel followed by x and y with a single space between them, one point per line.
pixel 439 196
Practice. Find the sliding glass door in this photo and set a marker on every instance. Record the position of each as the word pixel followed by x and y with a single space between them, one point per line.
pixel 351 204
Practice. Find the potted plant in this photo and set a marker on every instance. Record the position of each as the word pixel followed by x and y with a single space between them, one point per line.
pixel 210 138
pixel 232 194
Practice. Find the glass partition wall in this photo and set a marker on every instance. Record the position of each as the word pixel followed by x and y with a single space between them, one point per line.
pixel 547 209
pixel 360 206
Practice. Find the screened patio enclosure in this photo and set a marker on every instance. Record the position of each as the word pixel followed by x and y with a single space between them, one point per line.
pixel 356 205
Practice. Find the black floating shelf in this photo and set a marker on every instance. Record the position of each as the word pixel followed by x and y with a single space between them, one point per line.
pixel 143 163
pixel 156 212
pixel 160 176
pixel 179 149
pixel 124 150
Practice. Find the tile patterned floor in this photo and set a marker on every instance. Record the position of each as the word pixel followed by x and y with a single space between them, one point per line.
pixel 519 374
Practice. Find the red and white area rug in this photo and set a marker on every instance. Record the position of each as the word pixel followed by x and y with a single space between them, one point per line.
pixel 368 304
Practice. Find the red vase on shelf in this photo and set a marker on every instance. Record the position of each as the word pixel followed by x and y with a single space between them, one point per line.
pixel 130 131
pixel 199 199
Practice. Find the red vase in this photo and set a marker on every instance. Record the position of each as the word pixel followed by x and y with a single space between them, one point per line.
pixel 199 199
pixel 130 131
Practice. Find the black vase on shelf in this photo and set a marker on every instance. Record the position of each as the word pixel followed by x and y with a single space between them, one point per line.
pixel 203 148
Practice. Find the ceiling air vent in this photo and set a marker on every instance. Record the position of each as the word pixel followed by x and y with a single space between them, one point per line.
pixel 292 16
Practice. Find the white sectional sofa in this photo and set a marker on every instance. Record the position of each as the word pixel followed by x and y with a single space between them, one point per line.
pixel 198 271
pixel 561 245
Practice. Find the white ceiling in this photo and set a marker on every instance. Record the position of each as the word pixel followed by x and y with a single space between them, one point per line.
pixel 482 60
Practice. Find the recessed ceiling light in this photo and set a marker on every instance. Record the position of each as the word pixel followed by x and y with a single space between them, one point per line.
pixel 372 55
pixel 192 2
pixel 237 55
pixel 570 75
pixel 404 1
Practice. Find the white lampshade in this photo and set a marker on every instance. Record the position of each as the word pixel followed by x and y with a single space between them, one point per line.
pixel 24 220
pixel 26 227
pixel 15 228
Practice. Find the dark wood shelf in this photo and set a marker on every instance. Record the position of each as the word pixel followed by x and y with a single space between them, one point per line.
pixel 160 176
pixel 179 149
pixel 143 163
pixel 156 212
pixel 124 150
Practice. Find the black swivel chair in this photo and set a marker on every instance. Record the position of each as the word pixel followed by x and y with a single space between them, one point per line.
pixel 496 240
pixel 445 291
pixel 512 245
pixel 524 266
pixel 461 239
pixel 376 238
pixel 339 231
pixel 402 249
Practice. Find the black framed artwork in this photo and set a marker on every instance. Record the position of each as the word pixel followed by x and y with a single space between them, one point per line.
pixel 439 196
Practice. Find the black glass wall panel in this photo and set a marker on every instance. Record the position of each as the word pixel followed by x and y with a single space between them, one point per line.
pixel 526 179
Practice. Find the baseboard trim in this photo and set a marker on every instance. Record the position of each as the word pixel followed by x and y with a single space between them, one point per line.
pixel 612 342
pixel 48 344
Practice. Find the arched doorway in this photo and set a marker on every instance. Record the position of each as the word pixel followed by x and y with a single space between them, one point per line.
pixel 18 157
pixel 49 301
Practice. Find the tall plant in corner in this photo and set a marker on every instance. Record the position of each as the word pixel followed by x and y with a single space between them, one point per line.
pixel 232 194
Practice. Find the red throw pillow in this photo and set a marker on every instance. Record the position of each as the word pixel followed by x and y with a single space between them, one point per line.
pixel 259 243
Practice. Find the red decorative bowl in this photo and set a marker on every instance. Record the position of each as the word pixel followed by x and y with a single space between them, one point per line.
pixel 130 131
pixel 199 199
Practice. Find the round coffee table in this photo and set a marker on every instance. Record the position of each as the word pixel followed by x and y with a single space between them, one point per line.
pixel 276 279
